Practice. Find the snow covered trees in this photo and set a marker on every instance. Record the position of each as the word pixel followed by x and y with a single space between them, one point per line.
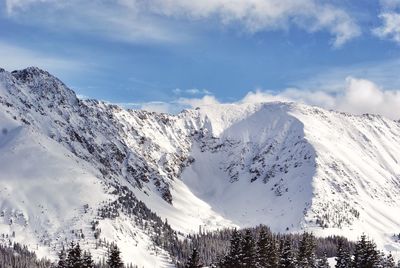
pixel 286 259
pixel 366 255
pixel 245 252
pixel 259 248
pixel 323 262
pixel 267 255
pixel 388 262
pixel 343 259
pixel 249 257
pixel 74 258
pixel 253 247
pixel 194 260
pixel 18 256
pixel 87 261
pixel 114 258
pixel 234 257
pixel 306 255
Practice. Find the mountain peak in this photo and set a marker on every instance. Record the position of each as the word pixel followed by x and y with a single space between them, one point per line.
pixel 30 73
pixel 45 85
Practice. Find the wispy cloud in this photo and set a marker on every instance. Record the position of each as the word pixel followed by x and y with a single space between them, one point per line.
pixel 134 20
pixel 261 15
pixel 17 57
pixel 116 20
pixel 191 91
pixel 390 21
pixel 390 28
pixel 383 72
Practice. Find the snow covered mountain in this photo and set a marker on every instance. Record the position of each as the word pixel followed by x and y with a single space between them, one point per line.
pixel 73 169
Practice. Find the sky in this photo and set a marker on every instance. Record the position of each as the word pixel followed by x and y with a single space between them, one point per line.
pixel 163 55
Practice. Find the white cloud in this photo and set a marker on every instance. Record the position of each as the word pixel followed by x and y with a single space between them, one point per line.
pixel 191 91
pixel 363 96
pixel 390 28
pixel 389 4
pixel 358 96
pixel 260 15
pixel 317 98
pixel 159 107
pixel 196 102
pixel 154 106
pixel 136 19
pixel 15 57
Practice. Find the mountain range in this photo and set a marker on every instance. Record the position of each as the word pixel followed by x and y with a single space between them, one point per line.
pixel 73 169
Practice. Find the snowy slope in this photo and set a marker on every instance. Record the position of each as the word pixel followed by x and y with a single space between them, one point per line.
pixel 289 166
pixel 296 167
pixel 88 151
pixel 48 196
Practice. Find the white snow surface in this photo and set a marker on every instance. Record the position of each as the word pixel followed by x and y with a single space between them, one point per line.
pixel 286 165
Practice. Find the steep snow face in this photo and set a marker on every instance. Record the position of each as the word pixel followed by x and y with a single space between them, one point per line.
pixel 258 169
pixel 49 197
pixel 296 167
pixel 44 188
pixel 289 166
pixel 357 184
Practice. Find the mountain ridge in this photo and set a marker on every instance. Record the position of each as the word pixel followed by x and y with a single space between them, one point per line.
pixel 290 166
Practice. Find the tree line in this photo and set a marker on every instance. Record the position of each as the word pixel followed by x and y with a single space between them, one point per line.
pixel 267 250
pixel 254 247
pixel 74 257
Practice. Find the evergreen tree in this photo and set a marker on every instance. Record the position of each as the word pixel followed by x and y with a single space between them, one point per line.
pixel 248 250
pixel 343 259
pixel 389 261
pixel 286 259
pixel 87 261
pixel 74 258
pixel 62 262
pixel 114 258
pixel 234 257
pixel 306 256
pixel 365 255
pixel 267 255
pixel 194 260
pixel 323 262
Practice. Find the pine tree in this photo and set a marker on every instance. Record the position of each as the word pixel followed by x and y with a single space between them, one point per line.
pixel 234 257
pixel 389 261
pixel 306 256
pixel 74 259
pixel 194 260
pixel 87 261
pixel 62 262
pixel 365 255
pixel 286 259
pixel 114 258
pixel 267 255
pixel 248 250
pixel 373 256
pixel 343 259
pixel 323 262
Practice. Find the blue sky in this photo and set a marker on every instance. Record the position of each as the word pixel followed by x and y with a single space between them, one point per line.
pixel 158 53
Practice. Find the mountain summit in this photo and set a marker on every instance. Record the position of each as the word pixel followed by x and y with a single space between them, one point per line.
pixel 75 168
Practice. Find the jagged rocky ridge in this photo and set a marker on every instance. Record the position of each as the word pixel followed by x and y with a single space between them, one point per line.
pixel 289 166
